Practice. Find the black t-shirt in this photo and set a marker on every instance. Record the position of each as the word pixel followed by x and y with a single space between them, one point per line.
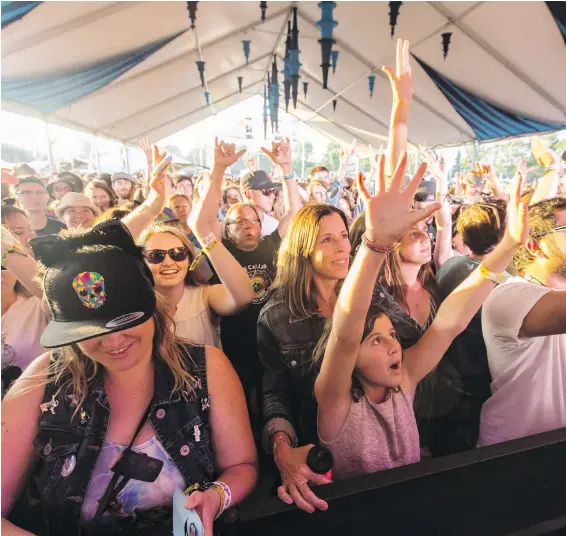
pixel 53 227
pixel 239 332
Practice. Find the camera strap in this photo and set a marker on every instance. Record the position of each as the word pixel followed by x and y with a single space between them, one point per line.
pixel 112 490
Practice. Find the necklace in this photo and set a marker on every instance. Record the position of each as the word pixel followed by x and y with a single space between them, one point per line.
pixel 534 280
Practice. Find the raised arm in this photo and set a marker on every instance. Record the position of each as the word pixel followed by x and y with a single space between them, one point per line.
pixel 402 88
pixel 280 155
pixel 547 186
pixel 458 309
pixel 388 214
pixel 235 290
pixel 337 186
pixel 140 218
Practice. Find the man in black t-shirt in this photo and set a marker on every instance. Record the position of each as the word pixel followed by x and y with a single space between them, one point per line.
pixel 258 256
pixel 33 198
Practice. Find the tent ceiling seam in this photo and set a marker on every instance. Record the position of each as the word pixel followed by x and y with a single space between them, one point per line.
pixel 188 53
pixel 182 94
pixel 147 131
pixel 379 72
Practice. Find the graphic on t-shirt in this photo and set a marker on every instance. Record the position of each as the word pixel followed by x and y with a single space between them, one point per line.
pixel 261 281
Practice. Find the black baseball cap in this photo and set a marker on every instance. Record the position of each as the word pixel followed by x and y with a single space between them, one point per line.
pixel 426 191
pixel 93 293
pixel 258 180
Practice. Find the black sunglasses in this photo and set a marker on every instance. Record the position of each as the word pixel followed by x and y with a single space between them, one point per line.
pixel 268 191
pixel 155 256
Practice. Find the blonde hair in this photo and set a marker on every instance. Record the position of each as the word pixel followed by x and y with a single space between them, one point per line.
pixel 294 267
pixel 193 278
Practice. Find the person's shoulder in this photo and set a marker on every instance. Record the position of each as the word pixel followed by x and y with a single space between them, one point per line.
pixel 459 267
pixel 513 297
pixel 275 303
pixel 272 240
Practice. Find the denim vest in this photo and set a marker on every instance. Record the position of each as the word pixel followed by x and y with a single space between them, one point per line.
pixel 285 346
pixel 67 448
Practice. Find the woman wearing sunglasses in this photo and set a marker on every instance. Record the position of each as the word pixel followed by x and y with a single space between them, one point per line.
pixel 195 306
pixel 99 433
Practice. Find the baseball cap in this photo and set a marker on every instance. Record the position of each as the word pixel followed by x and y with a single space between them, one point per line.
pixel 258 180
pixel 426 191
pixel 94 291
pixel 123 175
pixel 74 199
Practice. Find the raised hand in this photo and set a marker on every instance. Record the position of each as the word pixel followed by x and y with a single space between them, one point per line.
pixel 225 154
pixel 280 153
pixel 250 162
pixel 158 182
pixel 517 213
pixel 543 154
pixel 401 79
pixel 347 155
pixel 388 212
pixel 146 148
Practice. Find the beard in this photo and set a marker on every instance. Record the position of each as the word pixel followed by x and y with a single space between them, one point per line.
pixel 557 265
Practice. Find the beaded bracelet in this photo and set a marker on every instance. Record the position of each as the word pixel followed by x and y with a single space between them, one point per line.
pixel 225 496
pixel 290 177
pixel 375 247
pixel 278 441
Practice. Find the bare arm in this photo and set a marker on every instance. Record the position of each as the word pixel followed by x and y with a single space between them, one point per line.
pixel 280 155
pixel 402 87
pixel 547 187
pixel 443 218
pixel 24 269
pixel 144 215
pixel 235 456
pixel 464 302
pixel 20 424
pixel 388 215
pixel 236 290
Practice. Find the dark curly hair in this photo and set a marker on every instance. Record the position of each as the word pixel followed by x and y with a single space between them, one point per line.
pixel 542 219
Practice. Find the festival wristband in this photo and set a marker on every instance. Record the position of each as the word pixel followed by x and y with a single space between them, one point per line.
pixel 278 441
pixel 491 276
pixel 206 240
pixel 225 495
pixel 292 176
pixel 14 248
pixel 207 249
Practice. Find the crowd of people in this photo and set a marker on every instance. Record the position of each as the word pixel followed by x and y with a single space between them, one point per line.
pixel 171 332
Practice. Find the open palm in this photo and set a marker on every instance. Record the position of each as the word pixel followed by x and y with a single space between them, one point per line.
pixel 225 154
pixel 388 212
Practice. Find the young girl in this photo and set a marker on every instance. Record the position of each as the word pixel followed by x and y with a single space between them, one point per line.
pixel 366 383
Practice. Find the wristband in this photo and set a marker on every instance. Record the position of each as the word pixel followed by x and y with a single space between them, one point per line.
pixel 206 240
pixel 14 248
pixel 206 249
pixel 376 248
pixel 225 495
pixel 491 276
pixel 292 176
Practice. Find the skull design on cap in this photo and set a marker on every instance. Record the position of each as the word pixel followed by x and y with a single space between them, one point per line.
pixel 89 287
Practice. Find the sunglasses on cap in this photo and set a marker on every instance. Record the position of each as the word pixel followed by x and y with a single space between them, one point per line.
pixel 155 256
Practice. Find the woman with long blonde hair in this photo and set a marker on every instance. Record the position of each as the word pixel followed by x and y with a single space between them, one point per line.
pixel 313 259
pixel 100 432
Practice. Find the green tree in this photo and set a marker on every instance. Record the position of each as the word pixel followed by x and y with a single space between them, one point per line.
pixel 331 158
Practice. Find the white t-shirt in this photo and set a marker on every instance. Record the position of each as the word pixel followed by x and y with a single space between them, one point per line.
pixel 268 225
pixel 528 374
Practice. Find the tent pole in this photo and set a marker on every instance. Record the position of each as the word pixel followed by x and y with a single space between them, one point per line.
pixel 126 158
pixel 52 167
pixel 97 154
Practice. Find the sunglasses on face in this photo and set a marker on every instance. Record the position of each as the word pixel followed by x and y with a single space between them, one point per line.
pixel 156 256
pixel 267 192
pixel 241 223
pixel 559 229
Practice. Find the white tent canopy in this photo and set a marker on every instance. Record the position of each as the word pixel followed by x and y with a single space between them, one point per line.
pixel 511 54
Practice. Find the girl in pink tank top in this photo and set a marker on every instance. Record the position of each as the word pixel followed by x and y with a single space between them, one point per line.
pixel 366 383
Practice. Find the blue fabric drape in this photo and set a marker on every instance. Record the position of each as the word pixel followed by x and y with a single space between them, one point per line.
pixel 48 94
pixel 13 11
pixel 558 10
pixel 487 120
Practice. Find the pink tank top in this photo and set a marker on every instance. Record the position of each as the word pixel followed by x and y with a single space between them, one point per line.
pixel 376 437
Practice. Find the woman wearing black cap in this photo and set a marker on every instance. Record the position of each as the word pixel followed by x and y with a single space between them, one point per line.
pixel 119 387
